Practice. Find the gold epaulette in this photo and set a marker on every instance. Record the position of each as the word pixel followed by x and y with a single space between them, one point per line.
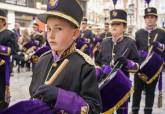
pixel 44 54
pixel 87 58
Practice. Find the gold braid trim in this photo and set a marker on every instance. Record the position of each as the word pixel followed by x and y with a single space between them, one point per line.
pixel 120 103
pixel 68 51
pixel 156 75
pixel 144 77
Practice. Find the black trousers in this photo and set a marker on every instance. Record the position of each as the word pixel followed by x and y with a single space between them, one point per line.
pixel 3 104
pixel 149 95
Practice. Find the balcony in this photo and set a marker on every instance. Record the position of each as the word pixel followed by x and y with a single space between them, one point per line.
pixel 39 4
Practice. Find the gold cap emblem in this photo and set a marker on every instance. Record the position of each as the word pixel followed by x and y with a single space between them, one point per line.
pixel 114 13
pixel 149 9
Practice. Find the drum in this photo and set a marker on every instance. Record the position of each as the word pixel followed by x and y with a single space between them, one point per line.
pixel 29 107
pixel 28 47
pixel 39 52
pixel 151 68
pixel 115 91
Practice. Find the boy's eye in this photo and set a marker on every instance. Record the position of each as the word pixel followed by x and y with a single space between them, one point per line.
pixel 48 29
pixel 54 29
pixel 57 28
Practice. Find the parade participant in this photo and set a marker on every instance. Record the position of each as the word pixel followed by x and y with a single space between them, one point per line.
pixel 98 40
pixel 37 36
pixel 39 53
pixel 112 48
pixel 145 38
pixel 85 39
pixel 85 32
pixel 7 39
pixel 106 32
pixel 17 31
pixel 24 39
pixel 75 90
pixel 4 77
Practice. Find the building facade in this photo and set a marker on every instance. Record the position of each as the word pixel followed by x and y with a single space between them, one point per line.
pixel 25 11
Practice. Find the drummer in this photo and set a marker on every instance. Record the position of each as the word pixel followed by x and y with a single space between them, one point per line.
pixel 144 39
pixel 113 48
pixel 75 91
pixel 7 39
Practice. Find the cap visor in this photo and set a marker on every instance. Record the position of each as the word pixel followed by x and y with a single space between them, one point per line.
pixel 43 17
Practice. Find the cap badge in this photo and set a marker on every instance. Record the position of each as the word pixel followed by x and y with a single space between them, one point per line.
pixel 114 13
pixel 149 9
pixel 52 3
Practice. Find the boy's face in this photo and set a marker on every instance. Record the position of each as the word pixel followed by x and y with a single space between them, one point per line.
pixel 84 25
pixel 60 34
pixel 150 20
pixel 117 29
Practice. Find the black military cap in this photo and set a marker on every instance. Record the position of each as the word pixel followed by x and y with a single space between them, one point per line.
pixel 66 9
pixel 3 14
pixel 150 11
pixel 118 15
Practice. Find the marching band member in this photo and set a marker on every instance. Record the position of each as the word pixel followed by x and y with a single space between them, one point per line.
pixel 7 39
pixel 85 32
pixel 112 48
pixel 85 40
pixel 75 91
pixel 144 39
pixel 106 32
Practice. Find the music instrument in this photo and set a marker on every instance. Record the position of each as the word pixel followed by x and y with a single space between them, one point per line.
pixel 151 68
pixel 115 91
pixel 39 52
pixel 35 106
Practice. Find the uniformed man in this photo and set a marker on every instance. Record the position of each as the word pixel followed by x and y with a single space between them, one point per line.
pixel 106 32
pixel 85 41
pixel 85 32
pixel 75 90
pixel 37 36
pixel 7 38
pixel 113 48
pixel 144 39
pixel 98 40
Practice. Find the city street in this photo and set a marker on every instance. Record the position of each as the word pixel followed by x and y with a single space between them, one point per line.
pixel 121 34
pixel 20 85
